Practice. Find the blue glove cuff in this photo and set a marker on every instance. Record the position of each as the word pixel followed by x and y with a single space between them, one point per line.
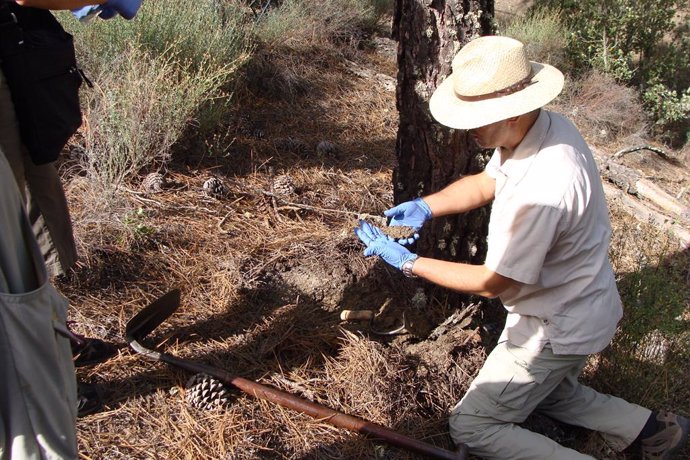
pixel 107 13
pixel 424 207
pixel 408 265
pixel 408 257
pixel 404 259
pixel 85 12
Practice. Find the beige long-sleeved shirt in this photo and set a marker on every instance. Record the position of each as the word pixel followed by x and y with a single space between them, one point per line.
pixel 549 229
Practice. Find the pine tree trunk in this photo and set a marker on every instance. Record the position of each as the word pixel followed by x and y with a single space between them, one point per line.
pixel 430 156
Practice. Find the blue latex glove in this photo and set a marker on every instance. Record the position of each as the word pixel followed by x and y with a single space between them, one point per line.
pixel 411 213
pixel 107 12
pixel 125 8
pixel 378 244
pixel 86 13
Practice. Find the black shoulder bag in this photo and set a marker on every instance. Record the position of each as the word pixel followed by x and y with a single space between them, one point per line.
pixel 38 61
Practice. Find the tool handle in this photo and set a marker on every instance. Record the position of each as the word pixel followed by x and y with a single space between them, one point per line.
pixel 356 315
pixel 342 420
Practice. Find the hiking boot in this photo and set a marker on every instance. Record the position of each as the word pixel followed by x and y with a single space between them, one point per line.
pixel 88 399
pixel 669 439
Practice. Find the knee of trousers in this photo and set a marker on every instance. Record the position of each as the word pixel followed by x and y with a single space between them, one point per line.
pixel 466 429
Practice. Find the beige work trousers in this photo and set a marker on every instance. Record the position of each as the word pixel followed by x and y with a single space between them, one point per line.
pixel 42 191
pixel 515 382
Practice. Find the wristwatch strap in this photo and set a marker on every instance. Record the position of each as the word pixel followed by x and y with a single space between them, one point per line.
pixel 407 268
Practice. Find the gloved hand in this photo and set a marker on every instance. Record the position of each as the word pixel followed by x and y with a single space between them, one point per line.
pixel 85 13
pixel 125 8
pixel 411 213
pixel 378 244
pixel 107 12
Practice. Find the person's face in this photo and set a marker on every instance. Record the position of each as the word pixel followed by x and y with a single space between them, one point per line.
pixel 490 136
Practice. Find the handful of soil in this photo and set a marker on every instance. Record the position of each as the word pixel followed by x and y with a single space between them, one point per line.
pixel 397 232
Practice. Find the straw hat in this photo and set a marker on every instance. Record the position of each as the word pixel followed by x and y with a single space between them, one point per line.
pixel 493 80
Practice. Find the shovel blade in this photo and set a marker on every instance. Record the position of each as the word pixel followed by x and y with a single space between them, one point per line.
pixel 152 316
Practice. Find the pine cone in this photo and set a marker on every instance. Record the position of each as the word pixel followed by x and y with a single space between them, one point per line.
pixel 332 201
pixel 214 187
pixel 654 348
pixel 263 206
pixel 153 183
pixel 206 392
pixel 291 144
pixel 283 185
pixel 326 149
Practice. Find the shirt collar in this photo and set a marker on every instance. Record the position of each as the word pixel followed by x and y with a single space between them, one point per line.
pixel 517 165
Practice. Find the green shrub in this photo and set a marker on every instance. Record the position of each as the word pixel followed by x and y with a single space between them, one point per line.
pixel 153 77
pixel 670 110
pixel 544 33
pixel 139 110
pixel 640 42
pixel 618 37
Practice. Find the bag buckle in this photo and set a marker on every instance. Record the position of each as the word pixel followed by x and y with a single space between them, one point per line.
pixel 7 17
pixel 9 21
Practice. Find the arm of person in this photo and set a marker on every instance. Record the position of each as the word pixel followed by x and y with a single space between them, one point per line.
pixel 470 279
pixel 58 4
pixel 465 194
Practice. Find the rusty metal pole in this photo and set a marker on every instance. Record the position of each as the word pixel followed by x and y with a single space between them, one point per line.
pixel 318 411
pixel 158 311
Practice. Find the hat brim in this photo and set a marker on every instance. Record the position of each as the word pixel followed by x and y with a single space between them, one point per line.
pixel 453 112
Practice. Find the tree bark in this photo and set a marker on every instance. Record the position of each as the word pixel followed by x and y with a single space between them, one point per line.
pixel 430 156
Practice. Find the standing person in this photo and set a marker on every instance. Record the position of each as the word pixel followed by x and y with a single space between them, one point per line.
pixel 38 395
pixel 547 261
pixel 42 191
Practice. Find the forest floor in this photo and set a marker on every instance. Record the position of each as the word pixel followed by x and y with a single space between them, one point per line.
pixel 266 263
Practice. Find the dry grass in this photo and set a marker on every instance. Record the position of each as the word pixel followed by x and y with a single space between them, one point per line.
pixel 265 272
pixel 608 114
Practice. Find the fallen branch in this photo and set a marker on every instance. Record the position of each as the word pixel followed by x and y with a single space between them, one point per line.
pixel 658 151
pixel 289 205
pixel 645 214
pixel 630 182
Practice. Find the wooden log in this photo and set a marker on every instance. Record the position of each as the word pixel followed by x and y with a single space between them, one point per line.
pixel 645 214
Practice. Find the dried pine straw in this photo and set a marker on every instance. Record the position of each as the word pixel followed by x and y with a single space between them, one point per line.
pixel 264 272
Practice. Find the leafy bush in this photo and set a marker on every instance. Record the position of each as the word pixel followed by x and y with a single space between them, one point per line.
pixel 641 42
pixel 618 37
pixel 670 110
pixel 153 76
